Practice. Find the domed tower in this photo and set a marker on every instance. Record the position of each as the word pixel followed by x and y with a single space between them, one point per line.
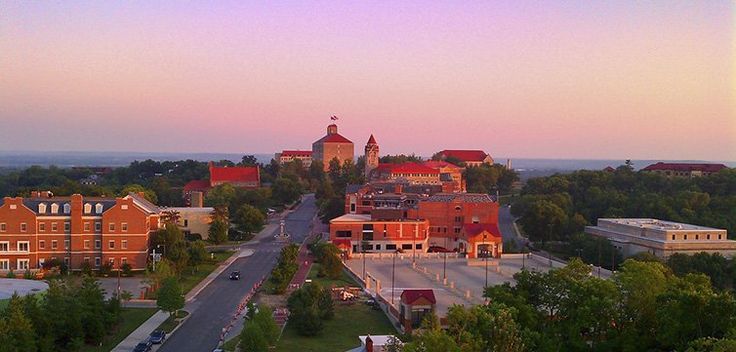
pixel 371 157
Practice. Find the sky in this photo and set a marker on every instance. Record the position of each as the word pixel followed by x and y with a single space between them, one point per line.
pixel 552 79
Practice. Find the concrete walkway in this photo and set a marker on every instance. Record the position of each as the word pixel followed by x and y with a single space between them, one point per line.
pixel 142 332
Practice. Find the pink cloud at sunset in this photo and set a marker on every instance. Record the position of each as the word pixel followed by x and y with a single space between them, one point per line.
pixel 573 79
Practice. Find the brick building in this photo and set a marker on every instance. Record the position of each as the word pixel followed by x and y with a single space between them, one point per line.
pixel 237 176
pixel 332 146
pixel 75 230
pixel 469 157
pixel 684 169
pixel 412 173
pixel 449 172
pixel 287 156
pixel 379 234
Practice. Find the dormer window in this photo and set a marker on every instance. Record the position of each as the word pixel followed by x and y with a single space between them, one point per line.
pixel 88 208
pixel 54 208
pixel 42 208
pixel 67 208
pixel 98 208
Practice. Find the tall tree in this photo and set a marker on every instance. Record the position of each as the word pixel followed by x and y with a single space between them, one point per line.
pixel 169 297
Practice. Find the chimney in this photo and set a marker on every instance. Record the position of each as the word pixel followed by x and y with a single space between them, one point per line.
pixel 368 344
pixel 35 194
pixel 141 194
pixel 196 200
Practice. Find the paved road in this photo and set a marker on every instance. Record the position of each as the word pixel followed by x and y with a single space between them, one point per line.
pixel 214 307
pixel 506 225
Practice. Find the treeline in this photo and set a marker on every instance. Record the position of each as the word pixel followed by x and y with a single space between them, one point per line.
pixel 644 307
pixel 285 269
pixel 70 315
pixel 556 207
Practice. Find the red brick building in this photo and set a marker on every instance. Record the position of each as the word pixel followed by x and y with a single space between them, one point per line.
pixel 379 233
pixel 469 157
pixel 287 156
pixel 449 172
pixel 332 146
pixel 237 176
pixel 75 230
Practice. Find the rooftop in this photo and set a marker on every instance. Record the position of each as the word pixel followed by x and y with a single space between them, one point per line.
pixel 655 224
pixel 411 296
pixel 234 174
pixel 352 218
pixel 436 164
pixel 686 167
pixel 465 155
pixel 460 197
pixel 296 153
pixel 407 168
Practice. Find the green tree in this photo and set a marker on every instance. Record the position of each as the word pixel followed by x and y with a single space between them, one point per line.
pixel 285 190
pixel 264 319
pixel 252 339
pixel 18 333
pixel 135 188
pixel 217 232
pixel 249 219
pixel 248 160
pixel 197 253
pixel 170 297
pixel 544 221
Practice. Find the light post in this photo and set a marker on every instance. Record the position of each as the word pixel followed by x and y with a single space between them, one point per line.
pixel 444 265
pixel 486 260
pixel 393 273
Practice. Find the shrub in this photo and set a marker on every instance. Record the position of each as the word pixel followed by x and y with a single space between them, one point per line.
pixel 127 269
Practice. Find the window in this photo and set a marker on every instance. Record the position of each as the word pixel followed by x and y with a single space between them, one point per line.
pixel 23 227
pixel 456 230
pixel 54 208
pixel 66 244
pixel 111 244
pixel 42 208
pixel 697 237
pixel 476 220
pixel 86 244
pixel 67 208
pixel 124 207
pixel 378 247
pixel 458 219
pixel 97 262
pixel 123 261
pixel 344 234
pixel 87 227
pixel 186 223
pixel 124 226
pixel 112 262
pixel 98 226
pixel 719 236
pixel 86 260
pixel 88 208
pixel 54 244
pixel 67 226
pixel 684 237
pixel 124 244
pixel 352 207
pixel 4 264
pixel 673 237
pixel 42 244
pixel 406 246
pixel 41 227
pixel 98 244
pixel 391 247
pixel 98 208
pixel 54 227
pixel 4 246
pixel 3 227
pixel 23 246
pixel 419 246
pixel 23 264
pixel 66 261
pixel 111 227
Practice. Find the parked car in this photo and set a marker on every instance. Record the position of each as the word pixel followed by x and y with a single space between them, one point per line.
pixel 158 336
pixel 144 346
pixel 235 275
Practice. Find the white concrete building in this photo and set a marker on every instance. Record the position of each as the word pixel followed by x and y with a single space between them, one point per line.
pixel 662 238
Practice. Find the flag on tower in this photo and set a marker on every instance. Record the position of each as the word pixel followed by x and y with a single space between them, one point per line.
pixel 333 118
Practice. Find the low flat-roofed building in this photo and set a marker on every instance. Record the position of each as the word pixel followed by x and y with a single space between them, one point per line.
pixel 193 220
pixel 661 238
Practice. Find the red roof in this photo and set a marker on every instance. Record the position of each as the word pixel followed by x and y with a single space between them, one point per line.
pixel 197 185
pixel 407 168
pixel 465 155
pixel 686 167
pixel 296 153
pixel 411 296
pixel 372 140
pixel 475 229
pixel 234 174
pixel 440 164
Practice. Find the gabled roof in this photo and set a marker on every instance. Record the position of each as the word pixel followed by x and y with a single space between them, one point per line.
pixel 686 167
pixel 476 229
pixel 465 155
pixel 234 174
pixel 407 168
pixel 372 140
pixel 144 204
pixel 296 153
pixel 197 185
pixel 411 296
pixel 333 138
pixel 436 164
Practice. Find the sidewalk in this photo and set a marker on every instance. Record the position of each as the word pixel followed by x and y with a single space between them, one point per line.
pixel 142 332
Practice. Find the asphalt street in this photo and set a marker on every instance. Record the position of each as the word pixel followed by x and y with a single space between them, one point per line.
pixel 214 307
pixel 506 225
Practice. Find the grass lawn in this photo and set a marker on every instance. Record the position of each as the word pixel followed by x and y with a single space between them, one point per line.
pixel 4 303
pixel 341 333
pixel 190 278
pixel 170 323
pixel 344 280
pixel 130 319
pixel 230 345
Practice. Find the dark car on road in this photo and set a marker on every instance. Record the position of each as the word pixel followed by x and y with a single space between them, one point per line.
pixel 235 275
pixel 157 337
pixel 144 346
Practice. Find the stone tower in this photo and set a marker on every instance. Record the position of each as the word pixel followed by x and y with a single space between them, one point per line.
pixel 371 156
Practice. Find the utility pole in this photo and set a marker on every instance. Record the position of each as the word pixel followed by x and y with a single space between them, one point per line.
pixel 153 261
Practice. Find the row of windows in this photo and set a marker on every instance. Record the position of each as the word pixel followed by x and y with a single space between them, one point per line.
pixel 23 246
pixel 389 247
pixel 67 226
pixel 21 264
pixel 42 207
pixel 697 237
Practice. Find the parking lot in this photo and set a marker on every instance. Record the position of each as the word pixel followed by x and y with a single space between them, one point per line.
pixel 463 285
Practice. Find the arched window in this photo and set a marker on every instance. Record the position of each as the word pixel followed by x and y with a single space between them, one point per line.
pixel 54 208
pixel 42 208
pixel 87 208
pixel 98 208
pixel 67 208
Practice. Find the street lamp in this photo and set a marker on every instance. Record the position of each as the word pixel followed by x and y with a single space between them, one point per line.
pixel 393 273
pixel 485 255
pixel 444 265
